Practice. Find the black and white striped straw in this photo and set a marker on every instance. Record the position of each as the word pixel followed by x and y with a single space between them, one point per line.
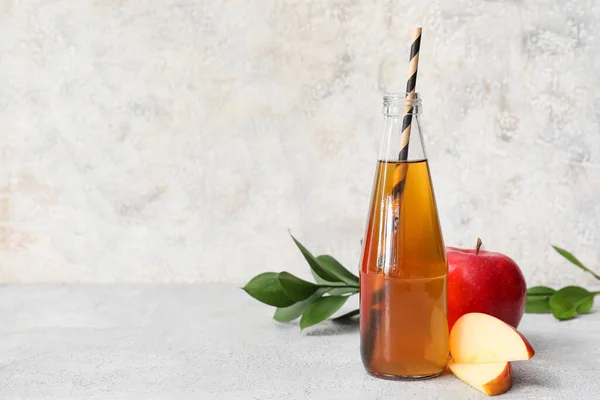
pixel 411 83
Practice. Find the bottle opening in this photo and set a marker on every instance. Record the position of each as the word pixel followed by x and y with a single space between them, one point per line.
pixel 399 104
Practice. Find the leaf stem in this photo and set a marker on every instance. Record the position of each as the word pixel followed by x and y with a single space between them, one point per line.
pixel 338 287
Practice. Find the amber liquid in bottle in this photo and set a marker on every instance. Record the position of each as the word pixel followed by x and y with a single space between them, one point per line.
pixel 404 330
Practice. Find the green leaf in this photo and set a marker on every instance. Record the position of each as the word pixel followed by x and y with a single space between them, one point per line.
pixel 338 269
pixel 538 300
pixel 575 261
pixel 540 291
pixel 347 315
pixel 338 287
pixel 322 281
pixel 295 288
pixel 266 289
pixel 321 309
pixel 566 302
pixel 315 265
pixel 537 305
pixel 287 314
pixel 585 306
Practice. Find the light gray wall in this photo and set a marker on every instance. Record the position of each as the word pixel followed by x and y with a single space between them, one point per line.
pixel 180 140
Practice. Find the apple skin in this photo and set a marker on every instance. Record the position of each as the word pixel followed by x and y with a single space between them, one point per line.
pixel 498 384
pixel 485 282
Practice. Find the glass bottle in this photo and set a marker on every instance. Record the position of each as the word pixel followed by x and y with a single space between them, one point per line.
pixel 403 271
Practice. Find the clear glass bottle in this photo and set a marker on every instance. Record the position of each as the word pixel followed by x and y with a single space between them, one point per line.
pixel 403 271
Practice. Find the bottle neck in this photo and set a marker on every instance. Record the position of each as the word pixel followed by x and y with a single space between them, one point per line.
pixel 401 104
pixel 402 138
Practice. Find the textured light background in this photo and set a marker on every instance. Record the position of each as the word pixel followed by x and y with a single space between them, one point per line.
pixel 178 141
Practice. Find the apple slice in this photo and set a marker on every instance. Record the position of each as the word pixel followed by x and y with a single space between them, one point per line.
pixel 491 378
pixel 478 338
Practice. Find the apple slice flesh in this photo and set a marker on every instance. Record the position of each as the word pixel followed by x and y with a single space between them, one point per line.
pixel 491 378
pixel 478 338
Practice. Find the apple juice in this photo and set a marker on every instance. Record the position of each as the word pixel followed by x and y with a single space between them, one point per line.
pixel 403 274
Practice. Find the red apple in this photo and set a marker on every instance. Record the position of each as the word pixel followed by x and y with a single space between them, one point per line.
pixel 484 282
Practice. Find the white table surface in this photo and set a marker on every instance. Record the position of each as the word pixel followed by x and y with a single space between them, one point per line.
pixel 215 342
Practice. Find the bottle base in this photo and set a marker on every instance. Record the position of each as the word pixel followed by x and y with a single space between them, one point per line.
pixel 404 377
